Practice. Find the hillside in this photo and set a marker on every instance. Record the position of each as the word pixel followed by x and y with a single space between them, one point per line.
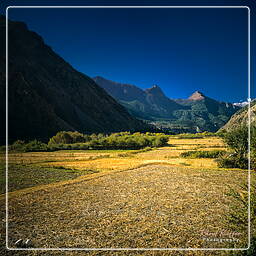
pixel 197 113
pixel 206 113
pixel 241 118
pixel 146 104
pixel 47 95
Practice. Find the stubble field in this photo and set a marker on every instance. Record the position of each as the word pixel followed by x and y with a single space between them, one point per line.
pixel 124 199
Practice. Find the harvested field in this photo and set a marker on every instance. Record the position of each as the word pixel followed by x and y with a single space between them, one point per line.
pixel 152 199
pixel 156 206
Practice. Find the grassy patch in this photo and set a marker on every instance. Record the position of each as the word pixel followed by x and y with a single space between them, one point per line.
pixel 25 176
pixel 203 154
pixel 196 135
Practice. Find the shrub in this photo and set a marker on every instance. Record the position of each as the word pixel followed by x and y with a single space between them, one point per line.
pixel 160 141
pixel 232 161
pixel 35 146
pixel 121 140
pixel 237 141
pixel 196 135
pixel 77 141
pixel 202 154
pixel 18 145
pixel 68 138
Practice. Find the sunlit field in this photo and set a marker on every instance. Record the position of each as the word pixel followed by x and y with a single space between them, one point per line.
pixel 122 159
pixel 148 198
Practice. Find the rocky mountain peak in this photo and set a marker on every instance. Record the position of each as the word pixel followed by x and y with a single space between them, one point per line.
pixel 197 95
pixel 155 89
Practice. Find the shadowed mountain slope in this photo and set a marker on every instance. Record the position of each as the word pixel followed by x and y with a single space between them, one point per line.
pixel 146 104
pixel 47 95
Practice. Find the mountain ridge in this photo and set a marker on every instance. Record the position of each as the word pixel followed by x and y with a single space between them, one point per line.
pixel 240 118
pixel 141 103
pixel 197 112
pixel 46 94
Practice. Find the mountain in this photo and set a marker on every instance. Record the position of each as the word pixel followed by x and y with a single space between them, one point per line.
pixel 148 104
pixel 46 94
pixel 197 113
pixel 197 96
pixel 205 113
pixel 241 118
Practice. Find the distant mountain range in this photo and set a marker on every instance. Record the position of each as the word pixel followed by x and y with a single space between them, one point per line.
pixel 146 104
pixel 197 113
pixel 47 95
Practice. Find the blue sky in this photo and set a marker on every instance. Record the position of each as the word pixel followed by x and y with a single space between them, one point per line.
pixel 181 50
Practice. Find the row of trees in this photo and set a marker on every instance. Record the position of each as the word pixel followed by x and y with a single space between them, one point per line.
pixel 75 140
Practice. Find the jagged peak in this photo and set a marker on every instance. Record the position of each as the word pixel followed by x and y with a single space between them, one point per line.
pixel 155 89
pixel 197 95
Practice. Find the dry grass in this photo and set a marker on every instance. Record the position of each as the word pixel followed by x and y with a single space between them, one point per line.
pixel 168 155
pixel 62 155
pixel 148 207
pixel 169 202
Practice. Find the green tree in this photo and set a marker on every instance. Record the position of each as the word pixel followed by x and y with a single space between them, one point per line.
pixel 237 140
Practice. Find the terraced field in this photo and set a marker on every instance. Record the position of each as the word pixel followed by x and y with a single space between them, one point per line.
pixel 125 199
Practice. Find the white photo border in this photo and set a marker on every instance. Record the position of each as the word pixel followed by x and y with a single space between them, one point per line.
pixel 249 137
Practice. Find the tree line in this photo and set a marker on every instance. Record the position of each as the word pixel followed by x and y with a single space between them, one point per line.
pixel 67 140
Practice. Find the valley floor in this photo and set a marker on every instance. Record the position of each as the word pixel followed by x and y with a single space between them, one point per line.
pixel 135 199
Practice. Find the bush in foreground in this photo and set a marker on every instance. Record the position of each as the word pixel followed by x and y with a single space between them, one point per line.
pixel 237 142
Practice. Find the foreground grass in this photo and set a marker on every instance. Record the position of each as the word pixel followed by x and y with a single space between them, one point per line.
pixel 152 206
pixel 25 176
pixel 137 198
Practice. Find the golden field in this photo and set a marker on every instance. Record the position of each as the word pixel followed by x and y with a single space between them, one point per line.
pixel 125 199
pixel 120 159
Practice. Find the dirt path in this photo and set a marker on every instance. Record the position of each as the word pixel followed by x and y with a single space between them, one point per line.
pixel 148 207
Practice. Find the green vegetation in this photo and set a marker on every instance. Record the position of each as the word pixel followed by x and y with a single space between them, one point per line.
pixel 202 154
pixel 196 135
pixel 24 176
pixel 122 140
pixel 198 113
pixel 69 138
pixel 77 141
pixel 237 141
pixel 238 214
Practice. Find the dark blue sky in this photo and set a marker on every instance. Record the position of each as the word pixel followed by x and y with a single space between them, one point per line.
pixel 181 50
